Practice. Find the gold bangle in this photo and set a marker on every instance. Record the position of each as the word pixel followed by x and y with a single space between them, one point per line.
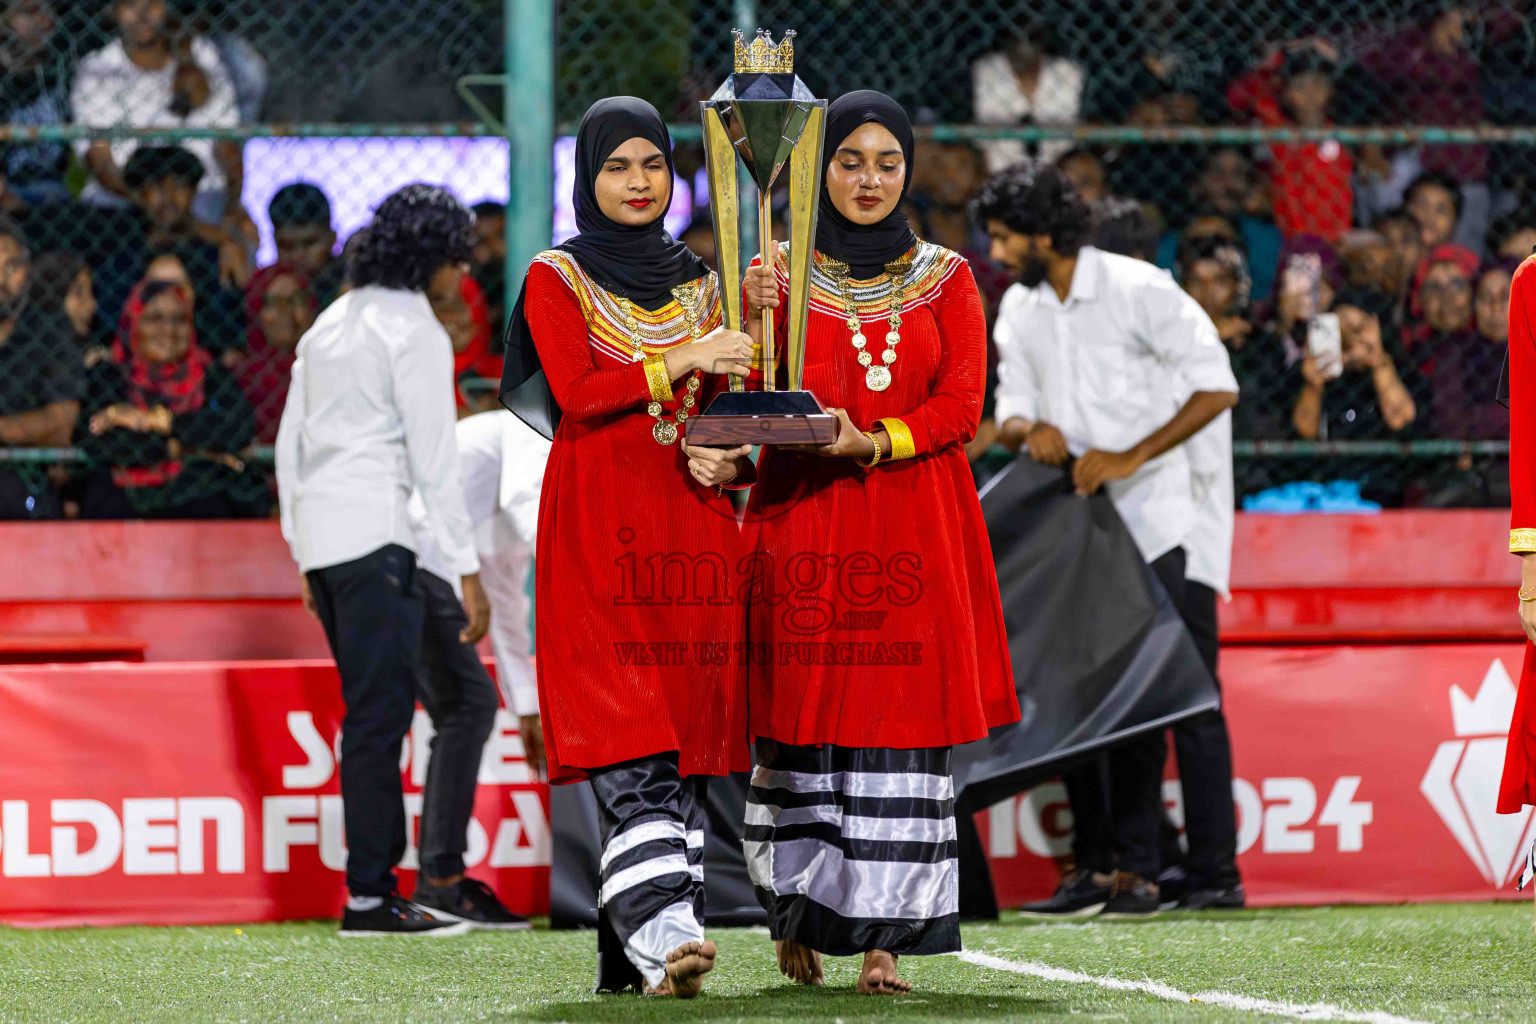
pixel 875 459
pixel 901 438
pixel 1522 595
pixel 656 376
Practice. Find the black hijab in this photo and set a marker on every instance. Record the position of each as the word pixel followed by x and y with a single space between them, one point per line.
pixel 866 248
pixel 642 264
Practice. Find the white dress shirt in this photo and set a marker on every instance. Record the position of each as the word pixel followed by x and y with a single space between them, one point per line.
pixel 1209 544
pixel 501 460
pixel 1109 367
pixel 111 91
pixel 998 99
pixel 369 419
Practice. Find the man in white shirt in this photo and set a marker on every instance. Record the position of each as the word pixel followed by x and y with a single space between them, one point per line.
pixel 501 460
pixel 145 79
pixel 1025 84
pixel 370 419
pixel 1104 362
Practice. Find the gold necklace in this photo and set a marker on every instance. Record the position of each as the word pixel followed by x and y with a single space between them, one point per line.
pixel 876 378
pixel 665 431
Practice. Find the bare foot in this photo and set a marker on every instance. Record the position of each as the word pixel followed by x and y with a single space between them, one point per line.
pixel 799 963
pixel 686 967
pixel 878 978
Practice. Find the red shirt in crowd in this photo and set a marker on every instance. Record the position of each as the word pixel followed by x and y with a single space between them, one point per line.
pixel 1310 182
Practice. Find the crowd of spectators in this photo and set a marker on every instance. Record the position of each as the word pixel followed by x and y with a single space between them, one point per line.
pixel 136 327
pixel 1422 319
pixel 1411 247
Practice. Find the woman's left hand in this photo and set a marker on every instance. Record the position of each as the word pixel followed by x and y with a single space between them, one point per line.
pixel 712 467
pixel 850 440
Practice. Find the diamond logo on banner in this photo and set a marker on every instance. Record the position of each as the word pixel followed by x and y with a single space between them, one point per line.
pixel 1462 783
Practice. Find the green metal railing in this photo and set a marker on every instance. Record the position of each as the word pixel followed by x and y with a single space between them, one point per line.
pixel 527 120
pixel 16 133
pixel 1428 449
pixel 1105 134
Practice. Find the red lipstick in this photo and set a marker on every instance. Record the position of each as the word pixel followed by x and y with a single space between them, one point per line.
pixel 639 204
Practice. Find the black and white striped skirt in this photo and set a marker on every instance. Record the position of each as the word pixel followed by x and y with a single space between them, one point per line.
pixel 854 849
pixel 651 895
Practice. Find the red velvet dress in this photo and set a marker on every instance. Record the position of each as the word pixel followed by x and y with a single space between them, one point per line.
pixel 1518 786
pixel 634 558
pixel 874 616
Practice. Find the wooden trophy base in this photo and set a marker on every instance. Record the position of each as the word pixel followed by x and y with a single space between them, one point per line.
pixel 762 417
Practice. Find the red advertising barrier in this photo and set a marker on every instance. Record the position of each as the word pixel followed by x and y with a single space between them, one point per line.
pixel 228 591
pixel 1405 575
pixel 202 793
pixel 1364 774
pixel 178 590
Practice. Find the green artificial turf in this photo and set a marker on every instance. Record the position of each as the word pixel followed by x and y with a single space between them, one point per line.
pixel 1428 963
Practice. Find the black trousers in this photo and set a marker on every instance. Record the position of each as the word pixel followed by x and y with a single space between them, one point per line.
pixel 1203 750
pixel 1116 802
pixel 393 630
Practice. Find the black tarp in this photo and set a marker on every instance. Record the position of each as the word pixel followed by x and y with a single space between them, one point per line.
pixel 1099 651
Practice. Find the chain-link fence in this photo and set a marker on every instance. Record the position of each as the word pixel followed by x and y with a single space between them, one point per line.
pixel 1284 158
pixel 1369 157
pixel 177 181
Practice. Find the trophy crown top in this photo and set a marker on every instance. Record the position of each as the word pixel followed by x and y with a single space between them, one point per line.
pixel 761 56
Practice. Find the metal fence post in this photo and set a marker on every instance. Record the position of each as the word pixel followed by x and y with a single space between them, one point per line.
pixel 529 113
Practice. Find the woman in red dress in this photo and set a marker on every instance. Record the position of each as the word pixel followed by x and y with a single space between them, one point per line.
pixel 612 347
pixel 1518 390
pixel 877 634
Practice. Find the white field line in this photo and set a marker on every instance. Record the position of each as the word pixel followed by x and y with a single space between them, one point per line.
pixel 1295 1011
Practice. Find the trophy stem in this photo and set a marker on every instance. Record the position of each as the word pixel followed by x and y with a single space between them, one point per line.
pixel 765 237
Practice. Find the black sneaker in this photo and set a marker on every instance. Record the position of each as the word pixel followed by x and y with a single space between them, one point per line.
pixel 470 901
pixel 1080 894
pixel 1133 898
pixel 1172 886
pixel 1230 898
pixel 397 916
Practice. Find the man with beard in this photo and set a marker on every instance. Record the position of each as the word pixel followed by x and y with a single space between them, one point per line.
pixel 41 381
pixel 153 74
pixel 1095 351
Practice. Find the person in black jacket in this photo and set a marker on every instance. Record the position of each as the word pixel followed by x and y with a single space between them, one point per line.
pixel 166 424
